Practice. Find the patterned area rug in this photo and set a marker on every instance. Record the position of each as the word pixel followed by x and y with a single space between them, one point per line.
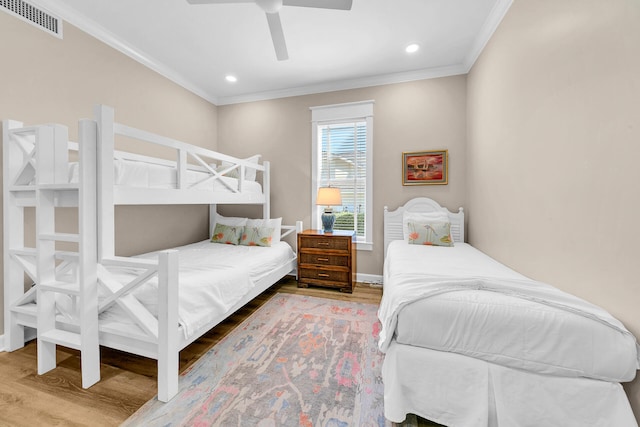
pixel 297 361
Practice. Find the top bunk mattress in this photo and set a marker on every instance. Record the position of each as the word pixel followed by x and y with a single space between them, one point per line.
pixel 132 173
pixel 500 327
pixel 213 277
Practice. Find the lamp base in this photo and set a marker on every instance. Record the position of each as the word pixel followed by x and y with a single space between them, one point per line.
pixel 328 218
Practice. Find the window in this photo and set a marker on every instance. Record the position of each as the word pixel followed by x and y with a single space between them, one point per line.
pixel 342 152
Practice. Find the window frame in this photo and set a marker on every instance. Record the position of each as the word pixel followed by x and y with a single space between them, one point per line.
pixel 336 114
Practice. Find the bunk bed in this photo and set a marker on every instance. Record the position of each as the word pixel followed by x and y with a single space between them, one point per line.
pixel 151 305
pixel 470 342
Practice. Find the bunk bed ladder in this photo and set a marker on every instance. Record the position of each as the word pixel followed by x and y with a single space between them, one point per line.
pixel 17 172
pixel 80 287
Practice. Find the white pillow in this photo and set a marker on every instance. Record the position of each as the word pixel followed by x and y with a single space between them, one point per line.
pixel 232 221
pixel 421 217
pixel 275 223
pixel 249 172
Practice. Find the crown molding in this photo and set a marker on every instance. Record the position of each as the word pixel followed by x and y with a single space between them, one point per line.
pixel 92 28
pixel 429 73
pixel 489 27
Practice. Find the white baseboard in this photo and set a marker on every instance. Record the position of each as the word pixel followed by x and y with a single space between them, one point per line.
pixel 369 278
pixel 373 279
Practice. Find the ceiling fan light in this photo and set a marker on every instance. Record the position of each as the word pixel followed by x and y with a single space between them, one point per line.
pixel 412 48
pixel 230 78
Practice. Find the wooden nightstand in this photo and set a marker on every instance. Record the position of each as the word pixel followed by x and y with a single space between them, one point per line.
pixel 327 259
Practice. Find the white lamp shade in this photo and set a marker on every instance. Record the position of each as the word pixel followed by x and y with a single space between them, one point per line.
pixel 329 196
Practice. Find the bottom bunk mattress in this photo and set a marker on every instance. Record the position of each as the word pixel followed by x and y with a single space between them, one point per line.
pixel 213 277
pixel 461 391
pixel 457 299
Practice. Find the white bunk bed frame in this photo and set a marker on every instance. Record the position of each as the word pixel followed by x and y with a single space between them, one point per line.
pixel 36 174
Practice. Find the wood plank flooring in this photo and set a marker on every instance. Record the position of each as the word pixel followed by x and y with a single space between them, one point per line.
pixel 127 381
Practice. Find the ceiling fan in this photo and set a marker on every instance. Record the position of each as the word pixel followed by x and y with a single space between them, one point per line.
pixel 272 8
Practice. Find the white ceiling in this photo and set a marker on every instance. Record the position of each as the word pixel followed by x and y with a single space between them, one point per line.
pixel 198 45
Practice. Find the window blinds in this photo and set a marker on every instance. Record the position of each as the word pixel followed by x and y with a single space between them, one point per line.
pixel 343 164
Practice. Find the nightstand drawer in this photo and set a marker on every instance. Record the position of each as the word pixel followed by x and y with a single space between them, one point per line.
pixel 326 243
pixel 320 274
pixel 324 259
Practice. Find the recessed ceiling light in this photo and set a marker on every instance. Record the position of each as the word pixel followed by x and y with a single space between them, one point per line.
pixel 412 48
pixel 231 79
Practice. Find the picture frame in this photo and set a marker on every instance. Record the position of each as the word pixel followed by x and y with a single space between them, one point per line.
pixel 425 167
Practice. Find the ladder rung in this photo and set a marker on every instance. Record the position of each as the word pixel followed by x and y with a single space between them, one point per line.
pixel 26 129
pixel 30 308
pixel 61 287
pixel 64 255
pixel 30 311
pixel 60 237
pixel 22 188
pixel 60 337
pixel 63 186
pixel 24 251
pixel 67 256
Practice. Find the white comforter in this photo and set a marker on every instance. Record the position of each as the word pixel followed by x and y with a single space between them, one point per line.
pixel 415 273
pixel 212 278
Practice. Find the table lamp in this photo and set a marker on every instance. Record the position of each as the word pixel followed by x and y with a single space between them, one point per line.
pixel 328 196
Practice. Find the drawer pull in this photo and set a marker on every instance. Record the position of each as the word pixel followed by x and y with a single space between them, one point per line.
pixel 323 259
pixel 323 275
pixel 323 243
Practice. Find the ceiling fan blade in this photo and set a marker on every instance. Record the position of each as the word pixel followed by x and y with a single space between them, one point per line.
pixel 218 1
pixel 321 4
pixel 277 35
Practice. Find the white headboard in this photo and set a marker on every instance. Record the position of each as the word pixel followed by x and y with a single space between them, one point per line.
pixel 393 219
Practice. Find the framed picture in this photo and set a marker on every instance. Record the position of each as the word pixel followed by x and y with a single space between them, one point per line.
pixel 425 167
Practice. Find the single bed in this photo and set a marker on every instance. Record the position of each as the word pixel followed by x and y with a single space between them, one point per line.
pixel 470 342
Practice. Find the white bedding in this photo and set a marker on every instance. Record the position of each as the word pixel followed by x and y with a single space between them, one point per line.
pixel 457 299
pixel 461 391
pixel 212 278
pixel 132 173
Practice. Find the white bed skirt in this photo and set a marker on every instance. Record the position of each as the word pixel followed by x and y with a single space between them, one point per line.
pixel 456 390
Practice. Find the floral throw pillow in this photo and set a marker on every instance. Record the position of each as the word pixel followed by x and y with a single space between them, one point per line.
pixel 233 173
pixel 256 236
pixel 431 233
pixel 228 234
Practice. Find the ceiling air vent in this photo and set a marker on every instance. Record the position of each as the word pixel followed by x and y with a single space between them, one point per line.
pixel 33 15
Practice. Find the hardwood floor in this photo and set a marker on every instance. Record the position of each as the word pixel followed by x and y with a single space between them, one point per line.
pixel 127 381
